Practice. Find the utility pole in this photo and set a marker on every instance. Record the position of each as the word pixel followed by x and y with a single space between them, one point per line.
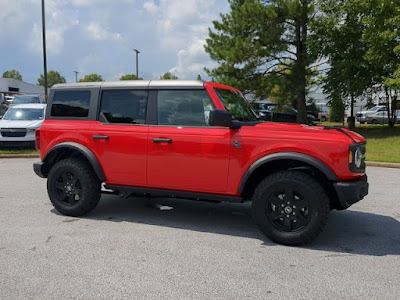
pixel 137 63
pixel 44 50
pixel 76 76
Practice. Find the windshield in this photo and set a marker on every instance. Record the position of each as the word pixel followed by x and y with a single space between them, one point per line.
pixel 22 114
pixel 20 100
pixel 237 106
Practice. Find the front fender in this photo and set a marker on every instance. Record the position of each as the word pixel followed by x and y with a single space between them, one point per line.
pixel 287 156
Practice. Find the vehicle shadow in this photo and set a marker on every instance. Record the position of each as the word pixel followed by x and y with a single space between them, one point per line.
pixel 347 232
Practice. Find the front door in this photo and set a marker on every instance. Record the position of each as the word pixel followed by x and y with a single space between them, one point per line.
pixel 184 152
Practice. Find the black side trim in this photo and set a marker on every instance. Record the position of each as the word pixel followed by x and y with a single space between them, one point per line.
pixel 287 156
pixel 85 151
pixel 173 193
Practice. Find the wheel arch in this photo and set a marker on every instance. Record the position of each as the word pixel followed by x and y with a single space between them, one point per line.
pixel 284 161
pixel 71 149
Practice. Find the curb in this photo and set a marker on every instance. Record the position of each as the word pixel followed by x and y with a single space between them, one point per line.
pixel 368 163
pixel 383 164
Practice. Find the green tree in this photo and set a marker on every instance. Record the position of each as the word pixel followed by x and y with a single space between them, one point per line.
pixel 199 77
pixel 337 108
pixel 257 38
pixel 91 78
pixel 53 77
pixel 381 20
pixel 338 35
pixel 168 75
pixel 12 74
pixel 130 77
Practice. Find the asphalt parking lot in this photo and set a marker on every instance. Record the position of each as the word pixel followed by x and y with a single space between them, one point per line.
pixel 130 249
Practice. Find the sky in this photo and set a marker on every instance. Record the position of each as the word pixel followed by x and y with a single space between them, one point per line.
pixel 97 36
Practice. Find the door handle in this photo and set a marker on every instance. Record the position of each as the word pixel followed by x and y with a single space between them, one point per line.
pixel 100 137
pixel 159 140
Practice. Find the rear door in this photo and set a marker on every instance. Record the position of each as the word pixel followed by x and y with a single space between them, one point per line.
pixel 119 136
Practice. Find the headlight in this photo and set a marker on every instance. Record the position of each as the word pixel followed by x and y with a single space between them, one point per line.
pixel 30 130
pixel 357 157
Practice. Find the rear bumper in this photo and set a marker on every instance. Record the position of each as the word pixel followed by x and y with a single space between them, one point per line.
pixel 350 192
pixel 37 167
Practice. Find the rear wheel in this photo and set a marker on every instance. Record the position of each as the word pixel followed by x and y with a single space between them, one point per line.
pixel 73 188
pixel 290 207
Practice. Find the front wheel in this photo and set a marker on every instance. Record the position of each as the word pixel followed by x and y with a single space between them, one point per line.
pixel 73 187
pixel 290 207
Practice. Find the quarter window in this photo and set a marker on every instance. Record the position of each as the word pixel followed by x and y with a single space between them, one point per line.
pixel 185 107
pixel 70 104
pixel 123 106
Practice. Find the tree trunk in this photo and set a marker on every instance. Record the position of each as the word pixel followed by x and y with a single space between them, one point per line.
pixel 351 121
pixel 300 68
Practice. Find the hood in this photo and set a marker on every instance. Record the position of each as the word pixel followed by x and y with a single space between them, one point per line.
pixel 306 132
pixel 31 124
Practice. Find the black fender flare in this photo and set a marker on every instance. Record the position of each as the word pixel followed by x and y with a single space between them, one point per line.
pixel 89 155
pixel 316 163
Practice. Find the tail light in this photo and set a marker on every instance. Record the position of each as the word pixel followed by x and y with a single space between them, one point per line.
pixel 37 139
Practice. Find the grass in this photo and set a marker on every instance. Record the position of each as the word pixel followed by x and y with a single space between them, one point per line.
pixel 383 143
pixel 18 151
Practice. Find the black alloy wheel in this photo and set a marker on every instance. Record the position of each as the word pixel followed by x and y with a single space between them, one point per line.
pixel 288 210
pixel 73 187
pixel 69 188
pixel 290 207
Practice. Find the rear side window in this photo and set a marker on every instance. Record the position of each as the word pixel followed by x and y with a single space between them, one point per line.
pixel 123 106
pixel 70 104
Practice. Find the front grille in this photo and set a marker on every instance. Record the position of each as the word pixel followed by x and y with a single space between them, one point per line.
pixel 13 132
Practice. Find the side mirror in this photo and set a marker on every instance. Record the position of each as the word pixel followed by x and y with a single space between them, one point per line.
pixel 219 117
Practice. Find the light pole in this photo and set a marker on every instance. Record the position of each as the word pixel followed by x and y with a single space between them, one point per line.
pixel 76 76
pixel 137 63
pixel 44 50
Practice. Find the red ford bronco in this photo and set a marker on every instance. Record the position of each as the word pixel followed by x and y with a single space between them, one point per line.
pixel 195 140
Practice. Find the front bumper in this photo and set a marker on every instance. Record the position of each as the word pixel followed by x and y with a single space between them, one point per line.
pixel 350 192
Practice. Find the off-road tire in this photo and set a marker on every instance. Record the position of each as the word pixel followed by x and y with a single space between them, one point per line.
pixel 305 212
pixel 73 187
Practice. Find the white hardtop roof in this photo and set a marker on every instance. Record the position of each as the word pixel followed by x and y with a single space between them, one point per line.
pixel 168 84
pixel 29 105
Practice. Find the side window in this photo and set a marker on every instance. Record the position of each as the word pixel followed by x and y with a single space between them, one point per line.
pixel 184 107
pixel 123 106
pixel 71 104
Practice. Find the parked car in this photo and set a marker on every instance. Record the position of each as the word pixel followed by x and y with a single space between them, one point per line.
pixel 381 117
pixel 25 99
pixel 362 115
pixel 17 127
pixel 160 138
pixel 269 112
pixel 320 111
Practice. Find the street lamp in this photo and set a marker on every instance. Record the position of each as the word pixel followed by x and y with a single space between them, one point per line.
pixel 44 50
pixel 137 66
pixel 76 76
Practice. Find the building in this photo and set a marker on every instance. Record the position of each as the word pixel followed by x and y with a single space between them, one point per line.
pixel 9 86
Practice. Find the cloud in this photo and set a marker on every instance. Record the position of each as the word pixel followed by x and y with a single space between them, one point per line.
pixel 97 36
pixel 96 31
pixel 59 19
pixel 183 27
